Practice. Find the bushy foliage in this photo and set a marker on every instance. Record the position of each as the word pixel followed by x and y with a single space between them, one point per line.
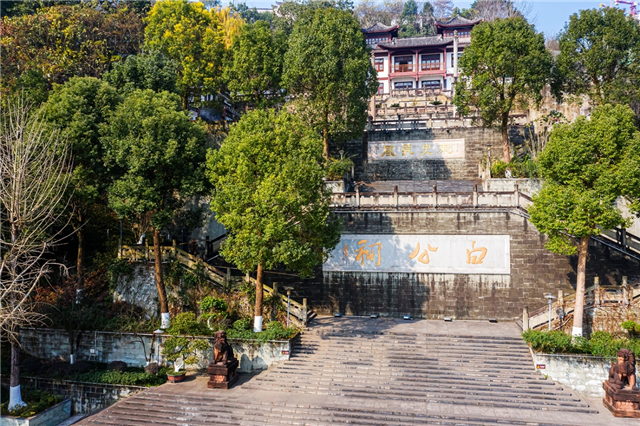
pixel 601 343
pixel 275 331
pixel 37 400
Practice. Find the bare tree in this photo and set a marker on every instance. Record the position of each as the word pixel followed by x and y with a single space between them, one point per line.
pixel 442 8
pixel 34 164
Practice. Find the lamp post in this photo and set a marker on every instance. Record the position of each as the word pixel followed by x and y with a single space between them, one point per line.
pixel 550 298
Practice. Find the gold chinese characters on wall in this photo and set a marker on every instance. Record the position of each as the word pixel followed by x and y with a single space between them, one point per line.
pixel 460 254
pixel 436 149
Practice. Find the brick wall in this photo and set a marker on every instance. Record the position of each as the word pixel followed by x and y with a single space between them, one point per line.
pixel 534 271
pixel 476 141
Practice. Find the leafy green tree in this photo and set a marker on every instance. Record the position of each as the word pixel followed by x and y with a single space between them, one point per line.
pixel 56 43
pixel 79 108
pixel 144 71
pixel 269 194
pixel 156 154
pixel 505 65
pixel 256 68
pixel 328 70
pixel 189 34
pixel 599 57
pixel 582 164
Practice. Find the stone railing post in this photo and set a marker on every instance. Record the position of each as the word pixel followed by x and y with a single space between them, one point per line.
pixel 395 195
pixel 475 196
pixel 525 318
pixel 146 249
pixel 304 311
pixel 516 194
pixel 435 196
pixel 357 196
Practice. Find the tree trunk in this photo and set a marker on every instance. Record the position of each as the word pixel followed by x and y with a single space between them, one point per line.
pixel 325 138
pixel 162 293
pixel 15 396
pixel 578 313
pixel 257 323
pixel 72 345
pixel 80 266
pixel 506 156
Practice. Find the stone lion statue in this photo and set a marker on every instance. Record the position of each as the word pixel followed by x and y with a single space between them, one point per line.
pixel 623 374
pixel 222 350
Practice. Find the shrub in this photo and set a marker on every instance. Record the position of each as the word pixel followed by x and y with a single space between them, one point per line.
pixel 37 400
pixel 337 168
pixel 117 366
pixel 603 344
pixel 498 168
pixel 549 342
pixel 243 324
pixel 210 303
pixel 186 323
pixel 632 327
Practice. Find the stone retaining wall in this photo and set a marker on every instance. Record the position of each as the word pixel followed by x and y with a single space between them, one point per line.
pixel 131 348
pixel 476 141
pixel 534 270
pixel 51 416
pixel 85 397
pixel 582 373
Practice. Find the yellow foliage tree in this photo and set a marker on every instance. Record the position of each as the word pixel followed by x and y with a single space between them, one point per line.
pixel 190 34
pixel 229 26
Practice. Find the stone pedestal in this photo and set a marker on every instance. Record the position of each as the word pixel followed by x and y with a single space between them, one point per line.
pixel 222 376
pixel 622 402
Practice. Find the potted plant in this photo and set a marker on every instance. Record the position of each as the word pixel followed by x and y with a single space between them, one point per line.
pixel 183 350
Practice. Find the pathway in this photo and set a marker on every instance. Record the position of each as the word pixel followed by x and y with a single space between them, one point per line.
pixel 378 372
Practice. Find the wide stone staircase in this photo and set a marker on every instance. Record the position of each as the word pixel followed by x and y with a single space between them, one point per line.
pixel 346 375
pixel 472 370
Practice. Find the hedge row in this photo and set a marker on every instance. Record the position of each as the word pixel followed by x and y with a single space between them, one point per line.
pixel 601 343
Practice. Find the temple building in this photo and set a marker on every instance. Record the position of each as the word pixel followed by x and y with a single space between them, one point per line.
pixel 418 62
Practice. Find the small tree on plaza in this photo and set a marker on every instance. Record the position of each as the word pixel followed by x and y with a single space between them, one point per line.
pixel 33 194
pixel 269 194
pixel 587 165
pixel 155 154
pixel 505 65
pixel 328 70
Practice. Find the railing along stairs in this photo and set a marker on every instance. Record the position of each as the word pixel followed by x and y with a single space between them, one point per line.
pixel 299 311
pixel 595 296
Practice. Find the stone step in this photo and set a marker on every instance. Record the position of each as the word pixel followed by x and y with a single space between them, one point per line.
pixel 307 415
pixel 426 374
pixel 411 363
pixel 374 347
pixel 505 401
pixel 398 389
pixel 404 351
pixel 406 385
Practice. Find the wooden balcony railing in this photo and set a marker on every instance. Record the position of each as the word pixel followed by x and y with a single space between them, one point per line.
pixel 430 66
pixel 402 67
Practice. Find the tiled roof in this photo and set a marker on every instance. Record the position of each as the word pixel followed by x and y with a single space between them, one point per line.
pixel 457 21
pixel 416 42
pixel 379 28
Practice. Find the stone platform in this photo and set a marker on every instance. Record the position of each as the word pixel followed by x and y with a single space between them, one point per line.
pixel 362 371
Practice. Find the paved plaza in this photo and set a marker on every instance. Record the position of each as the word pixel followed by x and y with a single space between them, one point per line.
pixel 378 372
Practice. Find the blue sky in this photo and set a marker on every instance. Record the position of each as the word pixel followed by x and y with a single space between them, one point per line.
pixel 548 16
